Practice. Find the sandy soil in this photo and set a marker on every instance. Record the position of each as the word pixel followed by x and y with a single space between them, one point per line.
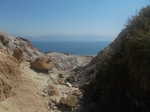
pixel 26 97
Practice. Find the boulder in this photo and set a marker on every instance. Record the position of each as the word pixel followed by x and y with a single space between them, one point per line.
pixel 68 103
pixel 42 64
pixel 4 39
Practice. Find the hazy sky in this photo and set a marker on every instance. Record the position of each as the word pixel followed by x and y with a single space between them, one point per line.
pixel 99 18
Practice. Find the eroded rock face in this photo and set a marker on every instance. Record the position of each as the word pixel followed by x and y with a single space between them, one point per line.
pixel 121 71
pixel 12 43
pixel 52 88
pixel 68 62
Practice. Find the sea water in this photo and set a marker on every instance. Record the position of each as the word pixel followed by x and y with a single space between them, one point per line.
pixel 77 48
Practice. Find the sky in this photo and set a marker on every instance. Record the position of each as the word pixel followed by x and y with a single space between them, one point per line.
pixel 67 19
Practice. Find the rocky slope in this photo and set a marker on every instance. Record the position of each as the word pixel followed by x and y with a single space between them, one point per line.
pixel 119 75
pixel 20 47
pixel 9 75
pixel 11 44
pixel 17 91
pixel 68 62
pixel 31 81
pixel 117 79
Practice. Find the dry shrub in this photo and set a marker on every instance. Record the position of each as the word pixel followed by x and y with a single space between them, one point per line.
pixel 18 54
pixel 9 75
pixel 70 101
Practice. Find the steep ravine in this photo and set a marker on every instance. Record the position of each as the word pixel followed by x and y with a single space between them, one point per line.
pixel 120 73
pixel 117 79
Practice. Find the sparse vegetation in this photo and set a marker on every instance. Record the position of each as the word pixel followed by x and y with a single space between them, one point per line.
pixel 122 77
pixel 69 103
pixel 9 75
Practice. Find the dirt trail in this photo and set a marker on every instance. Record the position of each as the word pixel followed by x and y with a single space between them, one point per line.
pixel 33 95
pixel 26 97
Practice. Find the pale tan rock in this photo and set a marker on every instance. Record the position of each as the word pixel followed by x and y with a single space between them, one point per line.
pixel 42 64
